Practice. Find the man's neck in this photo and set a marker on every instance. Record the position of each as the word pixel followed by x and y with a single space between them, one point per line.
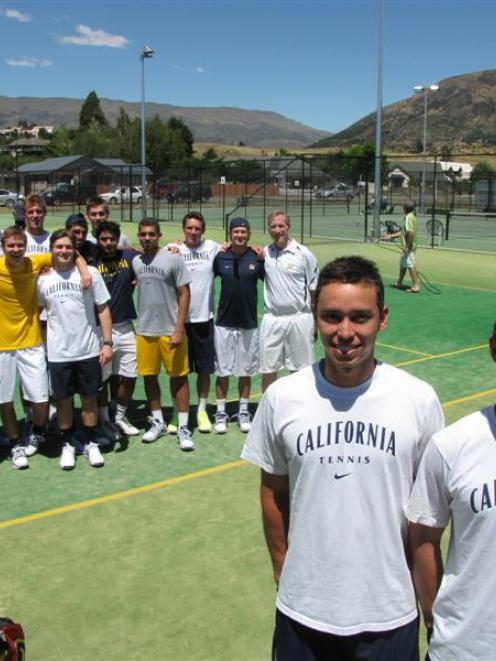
pixel 239 251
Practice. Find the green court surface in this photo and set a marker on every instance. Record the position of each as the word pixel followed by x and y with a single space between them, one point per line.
pixel 160 554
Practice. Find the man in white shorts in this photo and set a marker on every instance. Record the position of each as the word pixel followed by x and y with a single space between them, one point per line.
pixel 115 266
pixel 456 483
pixel 199 254
pixel 408 238
pixel 97 210
pixel 287 329
pixel 236 332
pixel 338 444
pixel 75 353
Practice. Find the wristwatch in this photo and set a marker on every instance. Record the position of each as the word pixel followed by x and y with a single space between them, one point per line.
pixel 108 343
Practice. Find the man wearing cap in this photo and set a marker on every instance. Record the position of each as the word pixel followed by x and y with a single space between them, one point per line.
pixel 287 329
pixel 236 332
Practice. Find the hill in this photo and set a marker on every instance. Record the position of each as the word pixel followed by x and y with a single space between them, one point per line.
pixel 461 114
pixel 220 125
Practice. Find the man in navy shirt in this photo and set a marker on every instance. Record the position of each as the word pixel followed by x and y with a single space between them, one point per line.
pixel 115 266
pixel 236 332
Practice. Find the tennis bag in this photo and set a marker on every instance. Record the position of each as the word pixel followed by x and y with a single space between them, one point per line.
pixel 12 645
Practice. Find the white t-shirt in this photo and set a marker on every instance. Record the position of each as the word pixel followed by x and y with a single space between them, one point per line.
pixel 199 264
pixel 37 243
pixel 290 275
pixel 457 479
pixel 71 327
pixel 351 455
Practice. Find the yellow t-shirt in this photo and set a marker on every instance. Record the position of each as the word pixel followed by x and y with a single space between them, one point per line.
pixel 19 322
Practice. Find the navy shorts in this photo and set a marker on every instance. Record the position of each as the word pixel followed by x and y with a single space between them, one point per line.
pixel 201 346
pixel 295 642
pixel 79 376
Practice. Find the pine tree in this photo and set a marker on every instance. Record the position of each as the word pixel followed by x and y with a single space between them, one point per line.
pixel 91 113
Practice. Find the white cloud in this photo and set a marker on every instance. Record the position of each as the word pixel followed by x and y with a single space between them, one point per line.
pixel 17 15
pixel 200 69
pixel 28 62
pixel 86 36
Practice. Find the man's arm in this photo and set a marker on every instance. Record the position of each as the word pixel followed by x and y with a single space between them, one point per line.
pixel 106 326
pixel 427 566
pixel 82 267
pixel 184 299
pixel 274 496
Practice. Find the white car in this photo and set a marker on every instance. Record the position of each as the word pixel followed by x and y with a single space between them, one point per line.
pixel 123 196
pixel 7 198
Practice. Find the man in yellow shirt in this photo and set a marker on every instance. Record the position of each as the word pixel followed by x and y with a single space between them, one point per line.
pixel 408 238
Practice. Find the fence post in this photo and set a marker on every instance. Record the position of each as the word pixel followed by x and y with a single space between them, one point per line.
pixel 434 201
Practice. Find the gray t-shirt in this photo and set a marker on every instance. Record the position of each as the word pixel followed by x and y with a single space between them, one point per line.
pixel 159 276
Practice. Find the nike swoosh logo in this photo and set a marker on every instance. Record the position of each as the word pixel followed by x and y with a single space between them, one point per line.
pixel 339 477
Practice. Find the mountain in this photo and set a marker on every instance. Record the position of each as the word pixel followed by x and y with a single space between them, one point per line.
pixel 221 125
pixel 461 114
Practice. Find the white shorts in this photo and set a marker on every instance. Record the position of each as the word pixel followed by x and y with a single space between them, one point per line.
pixel 123 352
pixel 236 351
pixel 286 342
pixel 407 260
pixel 30 365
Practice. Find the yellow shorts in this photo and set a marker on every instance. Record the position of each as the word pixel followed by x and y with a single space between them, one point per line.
pixel 152 351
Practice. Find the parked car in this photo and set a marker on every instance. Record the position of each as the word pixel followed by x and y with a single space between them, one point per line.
pixel 69 194
pixel 338 192
pixel 123 195
pixel 7 198
pixel 181 191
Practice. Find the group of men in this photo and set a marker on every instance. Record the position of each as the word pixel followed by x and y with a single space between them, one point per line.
pixel 90 354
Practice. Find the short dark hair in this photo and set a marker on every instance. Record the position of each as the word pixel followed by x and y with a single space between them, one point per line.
pixel 108 226
pixel 195 215
pixel 149 222
pixel 408 206
pixel 97 202
pixel 61 234
pixel 351 270
pixel 13 230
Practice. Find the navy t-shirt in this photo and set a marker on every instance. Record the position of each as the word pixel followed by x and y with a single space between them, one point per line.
pixel 238 290
pixel 117 273
pixel 89 251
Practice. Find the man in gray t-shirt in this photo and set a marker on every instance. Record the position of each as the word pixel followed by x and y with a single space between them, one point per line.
pixel 163 303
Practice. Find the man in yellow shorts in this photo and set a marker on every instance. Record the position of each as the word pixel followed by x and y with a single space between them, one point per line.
pixel 163 303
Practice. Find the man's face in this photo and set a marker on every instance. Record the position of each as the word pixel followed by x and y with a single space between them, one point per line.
pixel 348 319
pixel 63 253
pixel 279 231
pixel 149 238
pixel 34 216
pixel 97 215
pixel 79 234
pixel 193 233
pixel 14 249
pixel 240 237
pixel 108 242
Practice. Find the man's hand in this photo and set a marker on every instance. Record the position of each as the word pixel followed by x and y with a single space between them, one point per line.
pixel 86 280
pixel 224 246
pixel 105 354
pixel 259 250
pixel 176 338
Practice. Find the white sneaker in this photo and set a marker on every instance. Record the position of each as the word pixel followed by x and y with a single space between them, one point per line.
pixel 244 421
pixel 93 454
pixel 19 459
pixel 32 442
pixel 126 427
pixel 156 430
pixel 184 439
pixel 173 424
pixel 220 424
pixel 68 457
pixel 110 431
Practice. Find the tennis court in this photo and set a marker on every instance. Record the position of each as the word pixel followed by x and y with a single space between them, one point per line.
pixel 160 554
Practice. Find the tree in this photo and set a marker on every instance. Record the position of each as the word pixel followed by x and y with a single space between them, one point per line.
pixel 128 137
pixel 446 153
pixel 61 143
pixel 483 170
pixel 92 113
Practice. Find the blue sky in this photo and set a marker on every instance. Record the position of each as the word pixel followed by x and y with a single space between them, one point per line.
pixel 313 61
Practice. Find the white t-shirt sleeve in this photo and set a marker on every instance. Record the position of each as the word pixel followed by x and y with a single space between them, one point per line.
pixel 124 242
pixel 100 292
pixel 263 447
pixel 430 499
pixel 433 421
pixel 312 267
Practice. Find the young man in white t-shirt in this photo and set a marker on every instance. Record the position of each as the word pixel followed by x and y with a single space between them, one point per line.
pixel 287 328
pixel 456 483
pixel 75 353
pixel 339 443
pixel 199 254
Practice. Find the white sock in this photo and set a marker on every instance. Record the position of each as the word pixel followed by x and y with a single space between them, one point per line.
pixel 243 405
pixel 202 404
pixel 221 406
pixel 183 419
pixel 120 411
pixel 103 414
pixel 157 415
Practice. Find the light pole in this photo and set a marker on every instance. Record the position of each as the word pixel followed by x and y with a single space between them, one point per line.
pixel 425 89
pixel 146 52
pixel 378 130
